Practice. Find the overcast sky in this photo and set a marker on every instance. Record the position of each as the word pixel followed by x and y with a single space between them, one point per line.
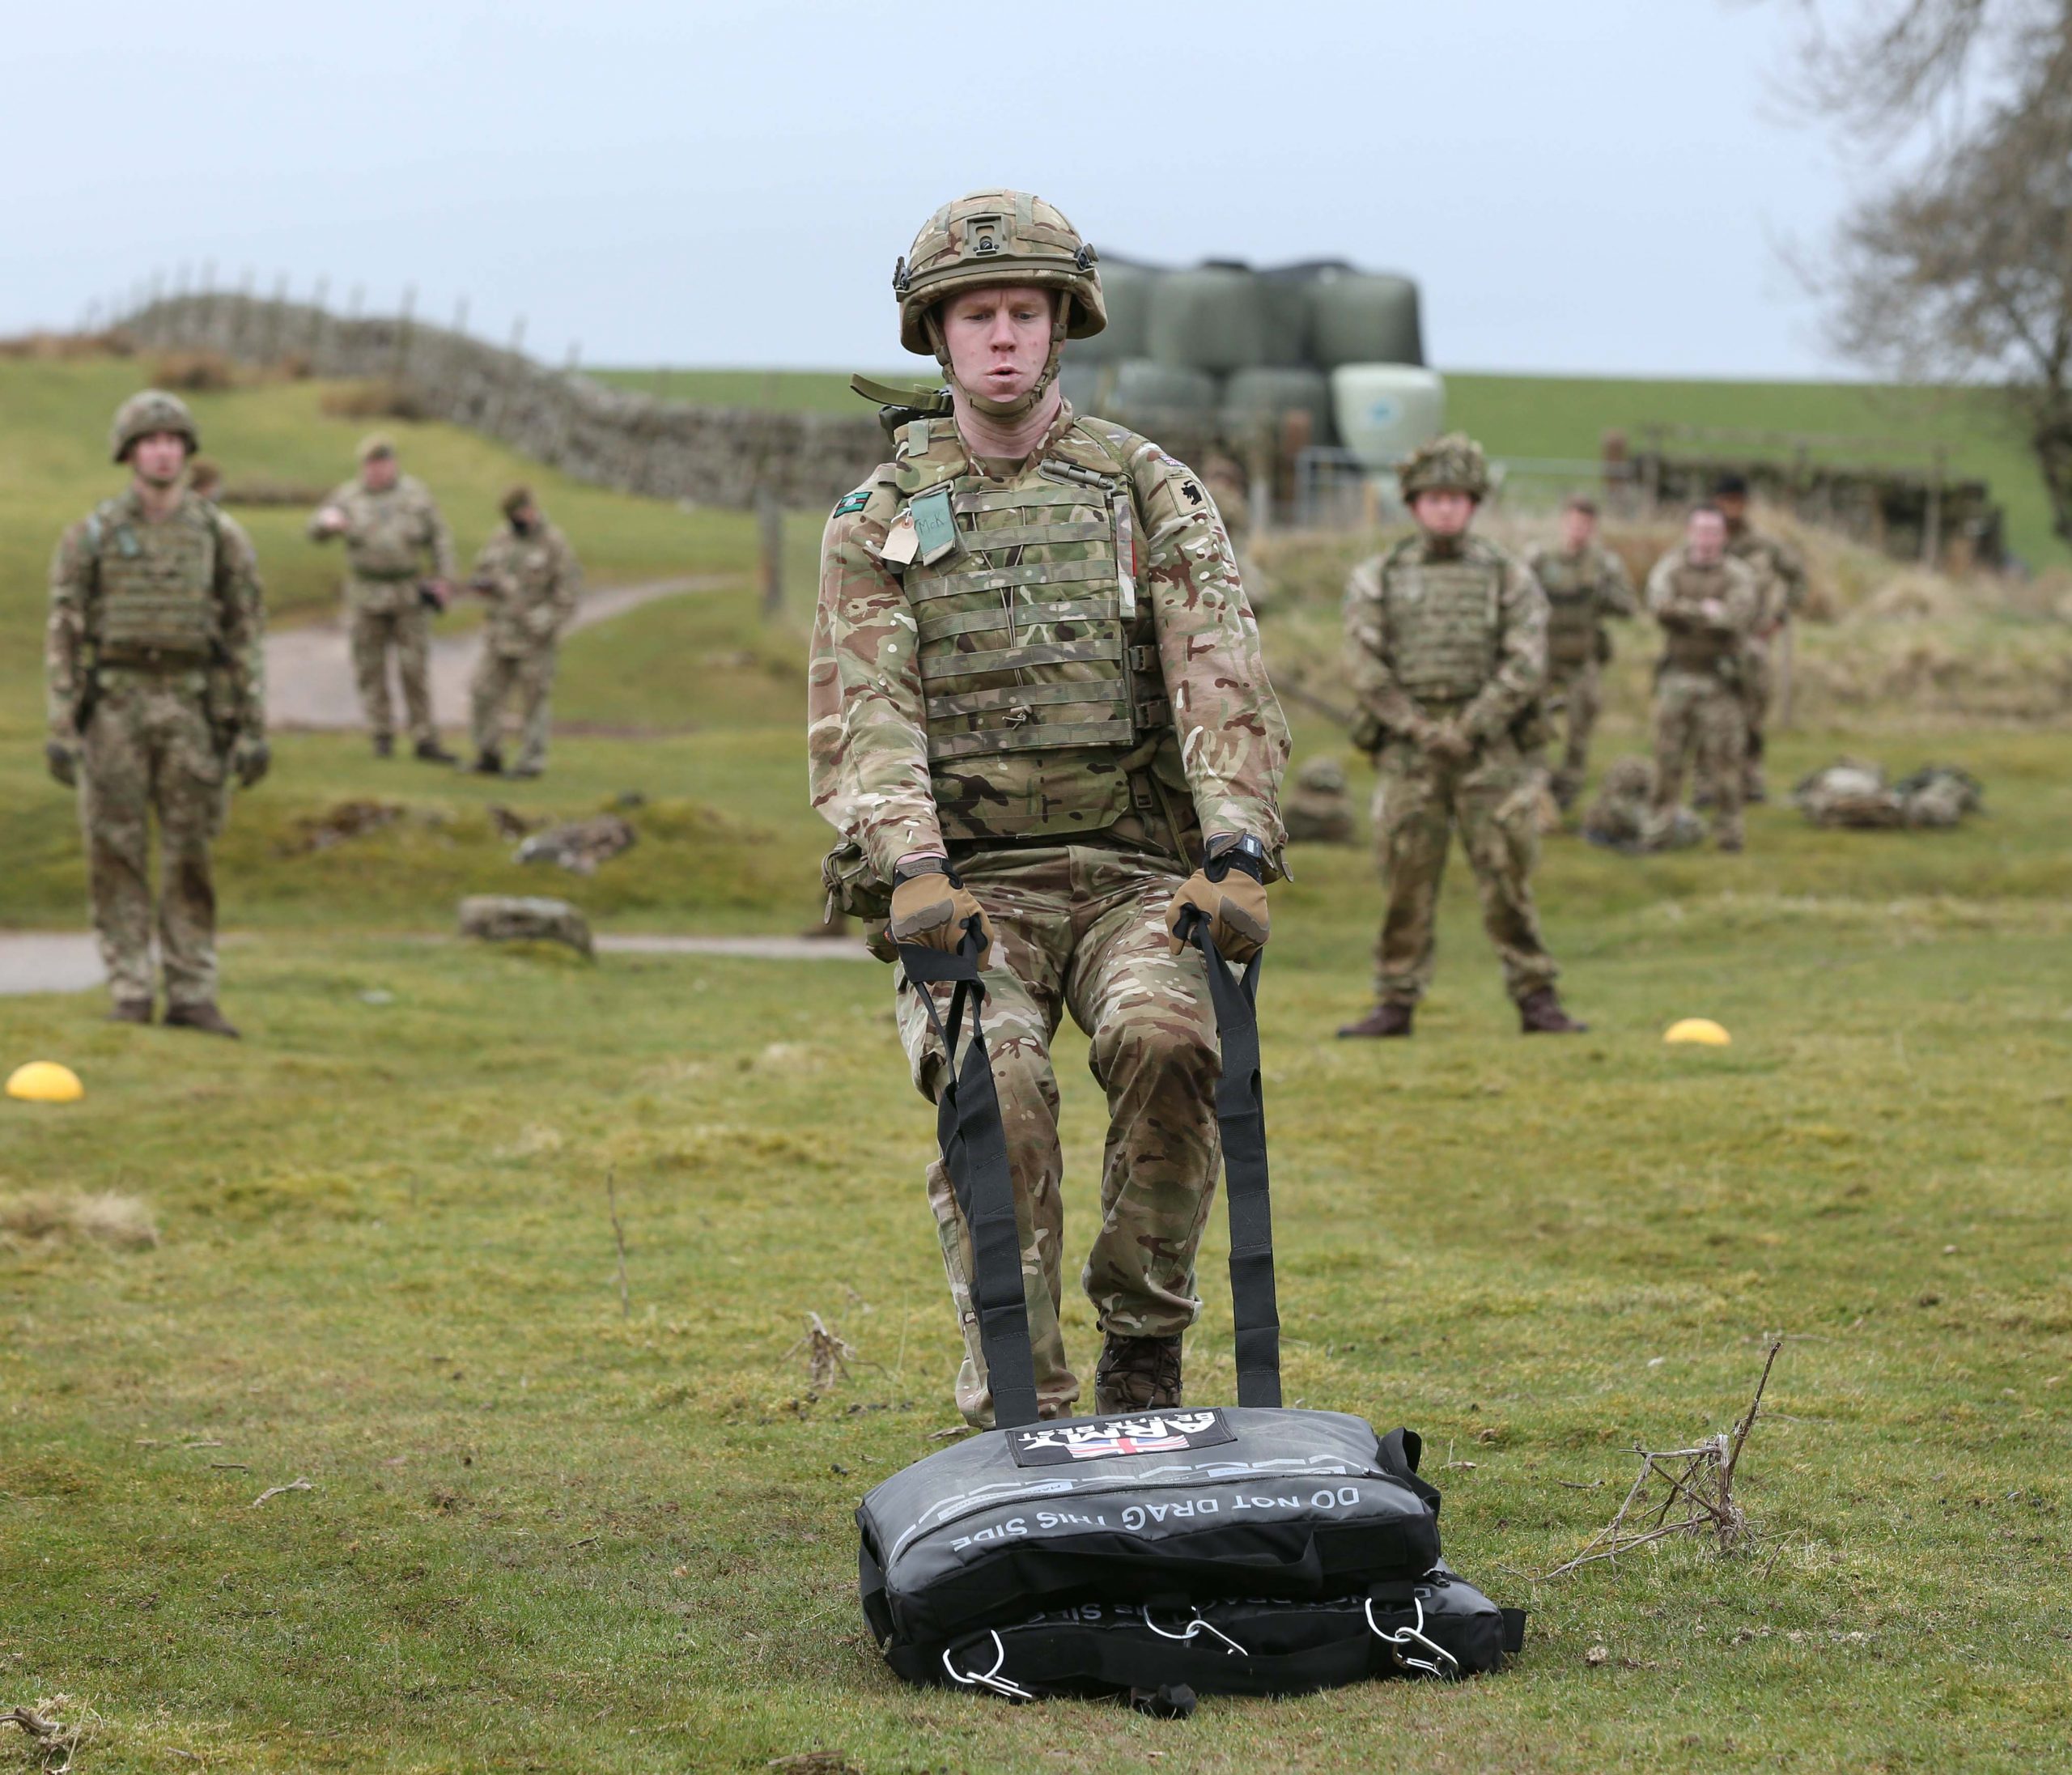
pixel 1595 186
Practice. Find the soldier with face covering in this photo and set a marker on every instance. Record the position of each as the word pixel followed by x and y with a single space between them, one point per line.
pixel 1038 714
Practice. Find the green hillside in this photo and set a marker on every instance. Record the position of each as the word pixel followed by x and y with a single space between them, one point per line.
pixel 1568 417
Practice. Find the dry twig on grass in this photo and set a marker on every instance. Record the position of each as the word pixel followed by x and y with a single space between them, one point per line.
pixel 51 1740
pixel 276 1491
pixel 828 1354
pixel 1680 1490
pixel 618 1236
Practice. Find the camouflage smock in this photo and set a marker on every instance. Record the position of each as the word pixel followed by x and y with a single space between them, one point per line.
pixel 390 535
pixel 1695 642
pixel 1779 575
pixel 532 582
pixel 1583 590
pixel 1195 710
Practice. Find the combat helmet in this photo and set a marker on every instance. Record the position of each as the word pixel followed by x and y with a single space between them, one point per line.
pixel 142 414
pixel 1453 463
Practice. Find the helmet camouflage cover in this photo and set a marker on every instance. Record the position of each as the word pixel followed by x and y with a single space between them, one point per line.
pixel 991 237
pixel 1453 463
pixel 142 414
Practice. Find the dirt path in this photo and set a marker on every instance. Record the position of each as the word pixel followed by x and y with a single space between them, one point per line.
pixel 67 961
pixel 309 676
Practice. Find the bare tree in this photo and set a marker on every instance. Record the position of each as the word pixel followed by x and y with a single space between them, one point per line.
pixel 1959 267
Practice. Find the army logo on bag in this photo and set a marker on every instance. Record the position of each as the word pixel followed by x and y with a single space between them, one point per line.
pixel 1160 1433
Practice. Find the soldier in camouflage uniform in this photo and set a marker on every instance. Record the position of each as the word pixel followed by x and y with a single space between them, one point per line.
pixel 392 529
pixel 1781 594
pixel 1585 583
pixel 1446 638
pixel 533 580
pixel 155 665
pixel 1706 603
pixel 1036 704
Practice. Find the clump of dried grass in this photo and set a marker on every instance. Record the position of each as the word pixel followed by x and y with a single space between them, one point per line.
pixel 379 399
pixel 106 1217
pixel 64 347
pixel 194 372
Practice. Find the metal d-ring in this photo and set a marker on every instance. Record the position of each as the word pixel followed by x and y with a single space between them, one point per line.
pixel 992 1679
pixel 1413 1635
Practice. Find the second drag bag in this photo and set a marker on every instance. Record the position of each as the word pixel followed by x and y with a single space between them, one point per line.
pixel 1172 1514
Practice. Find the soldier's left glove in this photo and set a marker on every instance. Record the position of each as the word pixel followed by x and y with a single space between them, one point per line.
pixel 62 761
pixel 1229 890
pixel 1450 742
pixel 250 759
pixel 932 909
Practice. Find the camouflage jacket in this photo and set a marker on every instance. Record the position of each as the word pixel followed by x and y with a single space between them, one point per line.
pixel 1509 628
pixel 390 534
pixel 867 716
pixel 532 583
pixel 1581 591
pixel 1780 575
pixel 1706 613
pixel 224 571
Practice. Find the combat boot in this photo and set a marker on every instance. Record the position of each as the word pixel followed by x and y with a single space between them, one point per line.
pixel 432 752
pixel 490 763
pixel 384 747
pixel 130 1011
pixel 1540 1013
pixel 1136 1374
pixel 204 1017
pixel 1391 1017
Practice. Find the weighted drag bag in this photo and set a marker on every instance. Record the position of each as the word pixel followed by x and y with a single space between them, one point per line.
pixel 1246 1549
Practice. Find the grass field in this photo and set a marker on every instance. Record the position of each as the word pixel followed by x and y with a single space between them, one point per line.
pixel 1567 417
pixel 545 1530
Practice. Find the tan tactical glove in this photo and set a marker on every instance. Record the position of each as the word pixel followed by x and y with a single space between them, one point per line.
pixel 930 908
pixel 1227 892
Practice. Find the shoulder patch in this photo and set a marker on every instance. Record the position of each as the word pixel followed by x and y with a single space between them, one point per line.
pixel 851 502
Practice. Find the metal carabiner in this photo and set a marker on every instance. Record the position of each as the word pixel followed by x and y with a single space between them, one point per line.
pixel 1413 1635
pixel 1199 1624
pixel 992 1679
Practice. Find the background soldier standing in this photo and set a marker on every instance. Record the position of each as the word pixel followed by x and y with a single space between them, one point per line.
pixel 1446 637
pixel 156 666
pixel 1706 603
pixel 392 527
pixel 1036 702
pixel 533 580
pixel 1585 583
pixel 1780 594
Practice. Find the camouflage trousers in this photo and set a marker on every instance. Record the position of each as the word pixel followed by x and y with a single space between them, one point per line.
pixel 1492 800
pixel 1581 693
pixel 1082 929
pixel 498 676
pixel 386 617
pixel 148 749
pixel 1700 723
pixel 1758 691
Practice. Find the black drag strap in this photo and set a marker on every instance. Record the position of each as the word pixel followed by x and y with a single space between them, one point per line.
pixel 1241 1111
pixel 974 1143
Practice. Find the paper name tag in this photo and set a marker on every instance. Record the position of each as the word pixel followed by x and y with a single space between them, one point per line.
pixel 935 525
pixel 901 544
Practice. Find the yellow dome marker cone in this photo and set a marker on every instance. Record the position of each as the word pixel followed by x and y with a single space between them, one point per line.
pixel 45 1081
pixel 1700 1030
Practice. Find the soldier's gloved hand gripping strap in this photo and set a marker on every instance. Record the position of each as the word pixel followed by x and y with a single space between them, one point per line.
pixel 1240 1112
pixel 974 1143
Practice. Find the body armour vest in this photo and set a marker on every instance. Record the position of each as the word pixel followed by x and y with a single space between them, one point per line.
pixel 1038 657
pixel 1699 649
pixel 1570 582
pixel 1442 618
pixel 155 585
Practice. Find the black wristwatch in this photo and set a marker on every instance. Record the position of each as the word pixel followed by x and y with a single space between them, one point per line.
pixel 1226 853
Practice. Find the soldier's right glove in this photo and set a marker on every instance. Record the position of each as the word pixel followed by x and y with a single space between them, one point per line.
pixel 931 908
pixel 1450 742
pixel 250 759
pixel 1229 890
pixel 62 760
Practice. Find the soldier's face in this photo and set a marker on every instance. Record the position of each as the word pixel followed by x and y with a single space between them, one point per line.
pixel 378 473
pixel 1443 512
pixel 1734 505
pixel 1705 537
pixel 999 340
pixel 1578 528
pixel 158 458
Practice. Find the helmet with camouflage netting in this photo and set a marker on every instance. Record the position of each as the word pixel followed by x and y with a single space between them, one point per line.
pixel 991 237
pixel 1453 463
pixel 142 414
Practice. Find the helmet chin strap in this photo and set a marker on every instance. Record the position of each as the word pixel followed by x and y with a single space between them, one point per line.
pixel 1023 405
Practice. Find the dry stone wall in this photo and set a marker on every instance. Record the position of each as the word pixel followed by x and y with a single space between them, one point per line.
pixel 613 437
